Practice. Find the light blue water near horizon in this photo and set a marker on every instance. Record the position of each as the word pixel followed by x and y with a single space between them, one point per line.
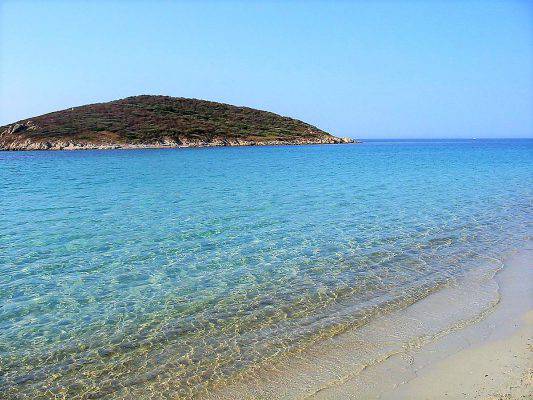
pixel 125 271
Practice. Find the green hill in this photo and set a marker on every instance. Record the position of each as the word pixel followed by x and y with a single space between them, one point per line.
pixel 158 121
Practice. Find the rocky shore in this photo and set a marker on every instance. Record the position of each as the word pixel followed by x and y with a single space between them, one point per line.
pixel 28 144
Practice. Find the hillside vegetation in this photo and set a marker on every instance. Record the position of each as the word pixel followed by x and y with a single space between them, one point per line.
pixel 158 121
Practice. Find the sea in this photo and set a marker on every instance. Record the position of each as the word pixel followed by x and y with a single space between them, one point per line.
pixel 170 273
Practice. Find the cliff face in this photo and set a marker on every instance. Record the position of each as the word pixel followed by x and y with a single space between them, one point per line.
pixel 158 121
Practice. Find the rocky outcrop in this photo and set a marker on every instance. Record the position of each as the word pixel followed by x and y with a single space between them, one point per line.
pixel 27 144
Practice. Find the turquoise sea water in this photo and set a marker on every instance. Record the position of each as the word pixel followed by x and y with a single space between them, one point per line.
pixel 154 273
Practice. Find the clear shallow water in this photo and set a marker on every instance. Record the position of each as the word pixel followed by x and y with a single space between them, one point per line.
pixel 148 273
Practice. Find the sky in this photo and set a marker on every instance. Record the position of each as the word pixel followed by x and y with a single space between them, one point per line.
pixel 364 69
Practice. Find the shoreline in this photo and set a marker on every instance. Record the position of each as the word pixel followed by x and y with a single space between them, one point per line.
pixel 69 146
pixel 494 360
pixel 438 347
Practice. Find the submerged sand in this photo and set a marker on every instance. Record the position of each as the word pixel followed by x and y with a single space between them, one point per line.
pixel 472 340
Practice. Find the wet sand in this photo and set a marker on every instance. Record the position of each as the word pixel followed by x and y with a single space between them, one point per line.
pixel 495 359
pixel 494 369
pixel 467 341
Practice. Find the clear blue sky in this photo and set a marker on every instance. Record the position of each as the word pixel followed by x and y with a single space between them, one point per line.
pixel 365 69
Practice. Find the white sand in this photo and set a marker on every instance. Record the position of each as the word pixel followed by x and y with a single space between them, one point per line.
pixel 499 369
pixel 489 359
pixel 497 362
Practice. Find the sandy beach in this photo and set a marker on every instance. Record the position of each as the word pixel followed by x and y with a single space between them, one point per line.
pixel 446 350
pixel 492 369
pixel 491 359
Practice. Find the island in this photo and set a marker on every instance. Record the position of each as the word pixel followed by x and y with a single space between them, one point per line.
pixel 148 121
